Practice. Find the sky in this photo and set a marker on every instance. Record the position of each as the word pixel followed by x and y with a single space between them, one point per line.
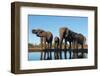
pixel 53 23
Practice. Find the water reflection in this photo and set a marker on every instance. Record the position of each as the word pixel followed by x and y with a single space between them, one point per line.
pixel 36 55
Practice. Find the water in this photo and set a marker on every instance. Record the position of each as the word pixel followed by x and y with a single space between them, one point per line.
pixel 36 55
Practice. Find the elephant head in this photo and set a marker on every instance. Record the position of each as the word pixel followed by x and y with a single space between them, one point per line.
pixel 56 41
pixel 64 31
pixel 36 31
pixel 47 35
pixel 46 39
pixel 41 33
pixel 73 35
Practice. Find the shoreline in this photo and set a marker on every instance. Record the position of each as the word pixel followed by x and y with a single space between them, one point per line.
pixel 42 50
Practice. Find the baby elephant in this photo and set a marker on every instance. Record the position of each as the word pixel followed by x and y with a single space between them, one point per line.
pixel 56 46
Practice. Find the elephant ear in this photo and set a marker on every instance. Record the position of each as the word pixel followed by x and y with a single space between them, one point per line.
pixel 43 33
pixel 48 35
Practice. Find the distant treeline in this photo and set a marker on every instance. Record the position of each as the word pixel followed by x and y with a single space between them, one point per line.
pixel 30 45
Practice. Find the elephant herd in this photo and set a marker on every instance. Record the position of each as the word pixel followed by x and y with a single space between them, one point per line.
pixel 71 40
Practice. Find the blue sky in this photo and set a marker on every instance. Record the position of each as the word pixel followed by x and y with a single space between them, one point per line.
pixel 53 23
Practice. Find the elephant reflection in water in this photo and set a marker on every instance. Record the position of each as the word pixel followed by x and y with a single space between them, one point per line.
pixel 46 38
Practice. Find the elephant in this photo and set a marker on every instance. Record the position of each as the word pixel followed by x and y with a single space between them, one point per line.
pixel 35 31
pixel 65 34
pixel 56 46
pixel 48 38
pixel 69 36
pixel 76 39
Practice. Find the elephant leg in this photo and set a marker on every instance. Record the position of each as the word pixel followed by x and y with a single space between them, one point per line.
pixel 41 42
pixel 44 43
pixel 54 50
pixel 50 50
pixel 45 50
pixel 57 52
pixel 65 49
pixel 70 50
pixel 45 55
pixel 77 49
pixel 61 48
pixel 58 55
pixel 41 55
pixel 82 51
pixel 73 49
pixel 42 48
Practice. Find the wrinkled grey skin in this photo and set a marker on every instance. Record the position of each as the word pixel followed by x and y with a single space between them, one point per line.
pixel 47 38
pixel 56 46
